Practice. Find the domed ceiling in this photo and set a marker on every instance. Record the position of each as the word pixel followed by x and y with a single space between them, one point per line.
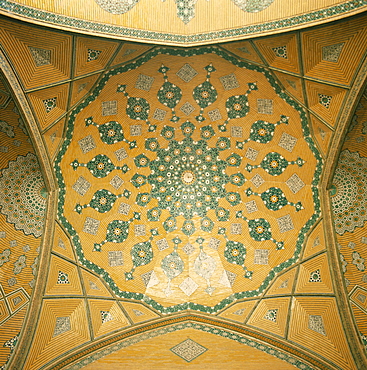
pixel 166 206
pixel 181 22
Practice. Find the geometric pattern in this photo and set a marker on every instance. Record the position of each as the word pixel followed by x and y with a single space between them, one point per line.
pixel 316 324
pixel 287 142
pixel 271 315
pixel 281 52
pixel 106 316
pixel 229 82
pixel 314 276
pixel 335 53
pixel 144 82
pixel 21 41
pixel 350 185
pixel 92 55
pixel 331 53
pixel 239 311
pixel 320 97
pixel 229 231
pixel 138 312
pixel 325 100
pixel 23 199
pixel 188 350
pixel 146 164
pixel 295 183
pixel 284 56
pixel 317 318
pixel 186 72
pixel 94 286
pixel 50 104
pixel 59 326
pixel 62 325
pixel 315 242
pixel 41 57
pixel 283 284
pixel 265 106
pixel 63 278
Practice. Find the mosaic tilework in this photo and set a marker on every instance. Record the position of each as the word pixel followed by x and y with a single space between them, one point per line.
pixel 311 16
pixel 116 6
pixel 22 211
pixel 41 57
pixel 23 199
pixel 190 348
pixel 349 185
pixel 182 179
pixel 349 217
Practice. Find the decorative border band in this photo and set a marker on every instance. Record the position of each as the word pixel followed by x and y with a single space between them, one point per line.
pixel 287 353
pixel 107 30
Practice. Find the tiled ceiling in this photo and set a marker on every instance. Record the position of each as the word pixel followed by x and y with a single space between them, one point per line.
pixel 187 200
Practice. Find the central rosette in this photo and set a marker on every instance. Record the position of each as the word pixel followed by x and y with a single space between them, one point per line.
pixel 188 178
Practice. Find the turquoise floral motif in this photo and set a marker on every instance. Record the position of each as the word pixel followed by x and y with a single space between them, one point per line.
pixel 235 253
pixel 205 266
pixel 262 131
pixel 223 143
pixel 142 199
pixel 260 230
pixel 237 179
pixel 154 214
pixel 207 132
pixel 99 166
pixel 275 164
pixel 169 94
pixel 205 94
pixel 168 132
pixel 206 224
pixel 274 199
pixel 152 144
pixel 188 227
pixel 170 224
pixel 233 198
pixel 188 128
pixel 237 106
pixel 138 180
pixel 137 108
pixel 117 232
pixel 4 256
pixel 141 160
pixel 141 255
pixel 187 178
pixel 172 265
pixel 19 264
pixel 102 201
pixel 234 160
pixel 222 214
pixel 110 132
